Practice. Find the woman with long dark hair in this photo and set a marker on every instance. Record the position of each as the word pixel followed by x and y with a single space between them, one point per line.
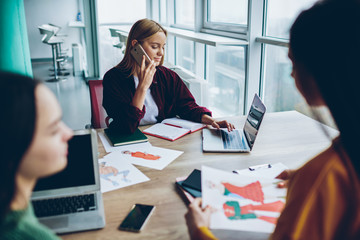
pixel 34 145
pixel 323 199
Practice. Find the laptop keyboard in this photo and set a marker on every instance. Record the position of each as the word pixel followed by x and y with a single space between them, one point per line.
pixel 232 140
pixel 64 205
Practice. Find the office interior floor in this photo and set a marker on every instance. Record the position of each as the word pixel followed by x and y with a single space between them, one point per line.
pixel 72 94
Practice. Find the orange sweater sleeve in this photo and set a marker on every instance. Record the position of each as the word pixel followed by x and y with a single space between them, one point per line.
pixel 319 204
pixel 203 233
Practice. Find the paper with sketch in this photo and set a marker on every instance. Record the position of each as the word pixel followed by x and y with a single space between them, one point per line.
pixel 265 172
pixel 115 174
pixel 243 202
pixel 151 157
pixel 109 148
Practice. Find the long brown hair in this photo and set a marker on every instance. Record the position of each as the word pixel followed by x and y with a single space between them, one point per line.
pixel 140 31
pixel 17 126
pixel 334 66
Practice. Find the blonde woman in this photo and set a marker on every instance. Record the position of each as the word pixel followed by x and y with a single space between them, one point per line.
pixel 139 95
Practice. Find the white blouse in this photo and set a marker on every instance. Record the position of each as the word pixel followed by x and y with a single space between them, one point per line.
pixel 152 111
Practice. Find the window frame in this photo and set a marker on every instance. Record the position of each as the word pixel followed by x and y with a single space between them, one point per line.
pixel 179 25
pixel 225 29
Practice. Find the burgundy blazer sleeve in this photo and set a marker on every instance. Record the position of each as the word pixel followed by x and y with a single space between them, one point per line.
pixel 118 91
pixel 183 101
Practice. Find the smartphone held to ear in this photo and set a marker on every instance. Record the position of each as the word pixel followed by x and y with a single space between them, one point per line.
pixel 138 52
pixel 137 217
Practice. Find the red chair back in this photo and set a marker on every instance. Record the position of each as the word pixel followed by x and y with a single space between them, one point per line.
pixel 98 113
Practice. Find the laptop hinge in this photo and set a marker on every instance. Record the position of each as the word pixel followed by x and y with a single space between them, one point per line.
pixel 247 140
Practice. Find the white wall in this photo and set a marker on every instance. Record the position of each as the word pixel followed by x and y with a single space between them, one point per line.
pixel 57 12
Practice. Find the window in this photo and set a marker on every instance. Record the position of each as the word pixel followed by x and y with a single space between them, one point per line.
pixel 185 13
pixel 278 87
pixel 226 77
pixel 185 54
pixel 163 14
pixel 226 15
pixel 224 67
pixel 112 13
pixel 120 11
pixel 281 14
pixel 280 92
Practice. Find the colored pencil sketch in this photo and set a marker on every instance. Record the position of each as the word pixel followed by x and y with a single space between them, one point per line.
pixel 115 175
pixel 241 202
pixel 149 156
pixel 142 155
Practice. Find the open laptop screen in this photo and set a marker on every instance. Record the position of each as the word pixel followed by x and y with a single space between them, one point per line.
pixel 253 120
pixel 79 170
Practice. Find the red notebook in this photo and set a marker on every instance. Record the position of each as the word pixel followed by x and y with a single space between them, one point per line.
pixel 173 128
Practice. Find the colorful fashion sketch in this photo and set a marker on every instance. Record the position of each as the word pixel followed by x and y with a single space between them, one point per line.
pixel 242 202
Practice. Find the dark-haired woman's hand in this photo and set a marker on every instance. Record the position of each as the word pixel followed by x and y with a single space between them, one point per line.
pixel 285 175
pixel 197 217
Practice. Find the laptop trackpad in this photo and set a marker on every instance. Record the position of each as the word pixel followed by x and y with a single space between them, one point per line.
pixel 56 223
pixel 212 139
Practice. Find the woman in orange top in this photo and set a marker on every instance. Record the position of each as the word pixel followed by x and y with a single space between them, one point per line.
pixel 323 199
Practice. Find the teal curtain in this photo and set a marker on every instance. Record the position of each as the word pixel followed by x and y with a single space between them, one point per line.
pixel 14 43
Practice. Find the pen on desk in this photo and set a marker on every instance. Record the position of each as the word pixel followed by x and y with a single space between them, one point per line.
pixel 253 168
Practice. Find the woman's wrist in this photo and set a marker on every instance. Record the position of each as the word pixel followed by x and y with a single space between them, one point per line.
pixel 206 119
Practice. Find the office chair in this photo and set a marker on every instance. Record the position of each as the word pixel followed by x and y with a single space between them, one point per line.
pixel 61 55
pixel 99 118
pixel 50 39
pixel 122 38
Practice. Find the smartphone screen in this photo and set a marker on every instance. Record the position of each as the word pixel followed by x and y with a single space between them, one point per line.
pixel 138 52
pixel 137 217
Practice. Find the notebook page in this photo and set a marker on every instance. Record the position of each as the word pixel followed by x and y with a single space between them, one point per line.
pixel 192 126
pixel 166 131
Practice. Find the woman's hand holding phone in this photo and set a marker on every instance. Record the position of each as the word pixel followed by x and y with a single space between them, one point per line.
pixel 146 74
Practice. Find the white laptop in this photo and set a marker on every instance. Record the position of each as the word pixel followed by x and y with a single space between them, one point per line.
pixel 238 140
pixel 71 200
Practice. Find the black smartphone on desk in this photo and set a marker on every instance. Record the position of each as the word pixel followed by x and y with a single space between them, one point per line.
pixel 137 218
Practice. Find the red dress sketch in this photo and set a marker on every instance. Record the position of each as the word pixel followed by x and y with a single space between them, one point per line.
pixel 252 191
pixel 146 156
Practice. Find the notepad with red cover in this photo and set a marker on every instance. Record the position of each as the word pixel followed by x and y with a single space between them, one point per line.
pixel 173 128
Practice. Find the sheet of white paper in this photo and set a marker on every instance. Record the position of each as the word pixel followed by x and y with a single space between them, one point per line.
pixel 243 202
pixel 151 157
pixel 126 175
pixel 109 148
pixel 265 172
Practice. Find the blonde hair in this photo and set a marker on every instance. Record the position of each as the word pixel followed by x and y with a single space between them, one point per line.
pixel 140 31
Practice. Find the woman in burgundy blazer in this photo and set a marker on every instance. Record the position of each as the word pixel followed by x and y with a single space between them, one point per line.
pixel 138 95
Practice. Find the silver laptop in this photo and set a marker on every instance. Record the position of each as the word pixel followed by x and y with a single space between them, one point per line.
pixel 71 200
pixel 243 140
